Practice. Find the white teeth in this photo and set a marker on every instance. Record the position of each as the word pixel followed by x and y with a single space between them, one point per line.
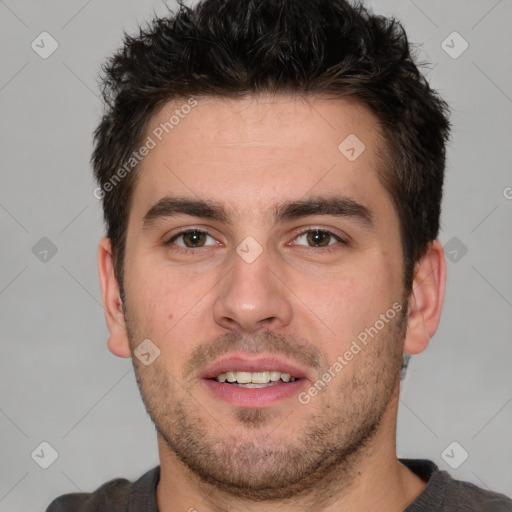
pixel 243 377
pixel 275 376
pixel 260 377
pixel 263 377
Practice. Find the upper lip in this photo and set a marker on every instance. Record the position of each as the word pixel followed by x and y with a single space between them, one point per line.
pixel 246 364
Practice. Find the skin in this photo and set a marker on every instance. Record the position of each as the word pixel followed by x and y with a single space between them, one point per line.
pixel 301 302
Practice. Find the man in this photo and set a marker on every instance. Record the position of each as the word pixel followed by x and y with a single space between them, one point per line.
pixel 271 175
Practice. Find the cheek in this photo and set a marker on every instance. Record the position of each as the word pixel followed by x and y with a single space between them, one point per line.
pixel 352 299
pixel 348 306
pixel 152 301
pixel 159 291
pixel 169 307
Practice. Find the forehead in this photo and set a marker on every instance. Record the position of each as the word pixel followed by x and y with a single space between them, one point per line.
pixel 253 153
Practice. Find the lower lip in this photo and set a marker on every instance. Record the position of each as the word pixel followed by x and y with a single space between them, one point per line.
pixel 255 398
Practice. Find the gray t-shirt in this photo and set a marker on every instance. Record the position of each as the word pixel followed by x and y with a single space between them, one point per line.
pixel 441 494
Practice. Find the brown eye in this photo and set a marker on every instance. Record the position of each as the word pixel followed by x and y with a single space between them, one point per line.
pixel 319 238
pixel 193 239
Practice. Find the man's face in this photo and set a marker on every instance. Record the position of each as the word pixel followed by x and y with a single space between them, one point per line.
pixel 260 283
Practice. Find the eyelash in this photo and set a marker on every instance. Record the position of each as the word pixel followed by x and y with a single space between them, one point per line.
pixel 327 249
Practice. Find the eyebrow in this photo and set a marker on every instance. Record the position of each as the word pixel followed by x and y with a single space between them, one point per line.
pixel 334 205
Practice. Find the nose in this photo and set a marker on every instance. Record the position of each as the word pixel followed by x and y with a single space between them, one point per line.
pixel 253 297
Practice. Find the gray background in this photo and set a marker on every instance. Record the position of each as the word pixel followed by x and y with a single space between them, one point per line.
pixel 59 383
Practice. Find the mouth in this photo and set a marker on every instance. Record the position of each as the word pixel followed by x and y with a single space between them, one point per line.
pixel 252 380
pixel 253 383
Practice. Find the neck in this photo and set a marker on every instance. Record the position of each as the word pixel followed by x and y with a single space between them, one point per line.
pixel 377 481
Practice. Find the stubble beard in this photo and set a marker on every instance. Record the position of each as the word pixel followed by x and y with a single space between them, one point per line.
pixel 265 466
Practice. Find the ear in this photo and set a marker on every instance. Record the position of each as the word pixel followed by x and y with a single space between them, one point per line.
pixel 118 342
pixel 426 299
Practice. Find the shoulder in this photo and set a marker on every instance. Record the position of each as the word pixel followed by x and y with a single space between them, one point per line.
pixel 110 496
pixel 113 496
pixel 444 493
pixel 465 496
